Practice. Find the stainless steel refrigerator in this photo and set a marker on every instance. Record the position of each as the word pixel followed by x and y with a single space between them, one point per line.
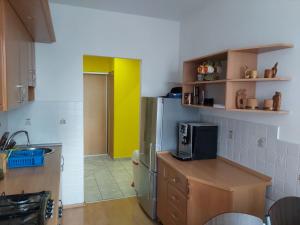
pixel 158 132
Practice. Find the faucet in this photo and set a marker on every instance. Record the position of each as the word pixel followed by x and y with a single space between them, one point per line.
pixel 15 134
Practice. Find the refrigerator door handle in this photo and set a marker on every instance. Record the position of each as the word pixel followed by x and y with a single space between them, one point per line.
pixel 150 156
pixel 149 192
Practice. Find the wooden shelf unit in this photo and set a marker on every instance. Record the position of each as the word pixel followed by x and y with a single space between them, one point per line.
pixel 224 90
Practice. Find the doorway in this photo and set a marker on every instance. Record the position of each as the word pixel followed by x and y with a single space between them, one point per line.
pixel 111 126
pixel 95 114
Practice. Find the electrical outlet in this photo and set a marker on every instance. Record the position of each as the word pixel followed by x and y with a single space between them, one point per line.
pixel 261 142
pixel 62 122
pixel 230 134
pixel 28 122
pixel 299 178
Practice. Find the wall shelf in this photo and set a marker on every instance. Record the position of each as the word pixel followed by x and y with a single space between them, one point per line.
pixel 204 82
pixel 224 91
pixel 261 79
pixel 203 107
pixel 281 112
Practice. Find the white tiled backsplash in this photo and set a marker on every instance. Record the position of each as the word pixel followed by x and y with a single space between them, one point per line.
pixel 54 122
pixel 257 147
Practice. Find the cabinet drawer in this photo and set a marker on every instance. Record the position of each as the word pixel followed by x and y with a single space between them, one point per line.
pixel 178 180
pixel 175 216
pixel 177 199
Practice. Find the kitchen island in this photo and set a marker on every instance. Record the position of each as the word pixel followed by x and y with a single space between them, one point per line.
pixel 37 179
pixel 192 192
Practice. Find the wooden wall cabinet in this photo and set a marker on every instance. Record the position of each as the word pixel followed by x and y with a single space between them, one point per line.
pixel 17 60
pixel 223 90
pixel 192 192
pixel 21 24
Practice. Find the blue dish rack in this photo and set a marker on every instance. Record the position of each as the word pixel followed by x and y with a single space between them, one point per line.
pixel 25 158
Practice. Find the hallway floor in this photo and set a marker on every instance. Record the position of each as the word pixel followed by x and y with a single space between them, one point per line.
pixel 116 212
pixel 107 179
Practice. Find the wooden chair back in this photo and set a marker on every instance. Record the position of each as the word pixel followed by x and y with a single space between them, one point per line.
pixel 285 211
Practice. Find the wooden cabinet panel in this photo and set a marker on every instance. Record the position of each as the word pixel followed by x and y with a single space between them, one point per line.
pixel 191 193
pixel 162 197
pixel 13 33
pixel 17 59
pixel 175 216
pixel 31 65
pixel 177 199
pixel 36 16
pixel 178 180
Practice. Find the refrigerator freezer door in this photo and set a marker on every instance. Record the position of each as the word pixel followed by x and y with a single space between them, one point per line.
pixel 148 130
pixel 146 192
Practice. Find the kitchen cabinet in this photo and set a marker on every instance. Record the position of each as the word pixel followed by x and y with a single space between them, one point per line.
pixel 14 72
pixel 17 67
pixel 192 192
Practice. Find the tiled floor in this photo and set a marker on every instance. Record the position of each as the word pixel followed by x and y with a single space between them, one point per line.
pixel 106 179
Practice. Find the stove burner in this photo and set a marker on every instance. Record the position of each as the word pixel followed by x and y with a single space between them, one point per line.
pixel 19 200
pixel 25 209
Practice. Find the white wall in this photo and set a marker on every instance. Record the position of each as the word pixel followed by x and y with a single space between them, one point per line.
pixel 82 31
pixel 220 25
pixel 277 159
pixel 59 92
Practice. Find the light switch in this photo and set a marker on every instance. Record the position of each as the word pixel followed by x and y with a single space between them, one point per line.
pixel 28 122
pixel 230 134
pixel 62 122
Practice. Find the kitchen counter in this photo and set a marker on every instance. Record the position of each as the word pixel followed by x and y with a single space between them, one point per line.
pixel 192 192
pixel 36 179
pixel 220 172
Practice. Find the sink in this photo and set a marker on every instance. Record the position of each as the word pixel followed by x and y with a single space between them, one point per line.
pixel 46 150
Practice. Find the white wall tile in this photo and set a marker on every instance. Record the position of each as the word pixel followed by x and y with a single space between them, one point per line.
pixel 275 158
pixel 46 128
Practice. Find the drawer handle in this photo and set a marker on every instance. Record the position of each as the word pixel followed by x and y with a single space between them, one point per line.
pixel 174 198
pixel 174 216
pixel 174 180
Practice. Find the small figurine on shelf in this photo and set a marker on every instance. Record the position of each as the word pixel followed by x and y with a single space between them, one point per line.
pixel 271 73
pixel 241 99
pixel 275 70
pixel 277 101
pixel 250 74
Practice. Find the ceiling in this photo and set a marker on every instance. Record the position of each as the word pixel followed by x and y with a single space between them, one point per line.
pixel 165 9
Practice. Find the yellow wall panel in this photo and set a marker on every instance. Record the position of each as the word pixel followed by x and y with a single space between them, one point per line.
pixel 126 99
pixel 97 64
pixel 127 106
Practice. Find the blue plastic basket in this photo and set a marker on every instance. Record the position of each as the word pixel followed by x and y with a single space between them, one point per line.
pixel 25 158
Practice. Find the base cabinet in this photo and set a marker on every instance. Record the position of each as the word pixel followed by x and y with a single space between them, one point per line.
pixel 186 200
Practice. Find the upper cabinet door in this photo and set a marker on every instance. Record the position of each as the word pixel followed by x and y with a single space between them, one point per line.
pixel 31 65
pixel 22 22
pixel 17 45
pixel 36 17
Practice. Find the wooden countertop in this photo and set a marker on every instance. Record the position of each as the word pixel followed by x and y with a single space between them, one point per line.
pixel 36 179
pixel 220 172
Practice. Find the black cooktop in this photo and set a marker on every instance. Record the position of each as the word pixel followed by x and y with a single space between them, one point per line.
pixel 26 209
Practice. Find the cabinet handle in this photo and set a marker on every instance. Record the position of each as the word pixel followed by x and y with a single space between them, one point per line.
pixel 174 198
pixel 20 87
pixel 174 180
pixel 174 216
pixel 62 163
